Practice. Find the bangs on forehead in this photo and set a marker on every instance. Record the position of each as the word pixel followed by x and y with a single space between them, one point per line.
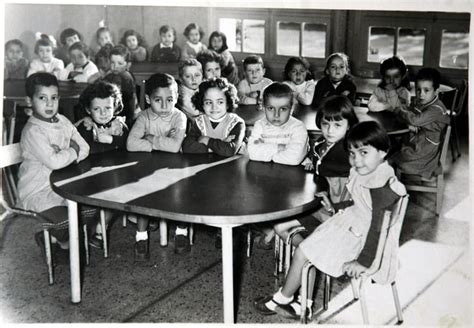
pixel 332 113
pixel 356 144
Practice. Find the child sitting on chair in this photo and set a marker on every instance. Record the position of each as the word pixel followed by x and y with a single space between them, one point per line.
pixel 347 242
pixel 298 76
pixel 194 33
pixel 160 127
pixel 166 51
pixel 80 69
pixel 49 141
pixel 426 119
pixel 251 88
pixel 45 62
pixel 190 74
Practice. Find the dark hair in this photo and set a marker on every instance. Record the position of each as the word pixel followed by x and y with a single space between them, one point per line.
pixel 166 29
pixel 68 32
pixel 160 80
pixel 278 90
pixel 229 90
pixel 44 41
pixel 14 42
pixel 80 46
pixel 252 59
pixel 101 30
pixel 367 133
pixel 336 108
pixel 394 62
pixel 429 74
pixel 186 63
pixel 218 34
pixel 121 50
pixel 193 26
pixel 207 56
pixel 297 61
pixel 331 57
pixel 141 41
pixel 101 89
pixel 36 80
pixel 103 55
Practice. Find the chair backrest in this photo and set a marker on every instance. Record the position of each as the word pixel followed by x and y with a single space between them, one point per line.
pixel 9 155
pixel 444 143
pixel 461 98
pixel 449 99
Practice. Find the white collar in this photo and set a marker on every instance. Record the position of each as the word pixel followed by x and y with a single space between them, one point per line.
pixel 163 46
pixel 196 47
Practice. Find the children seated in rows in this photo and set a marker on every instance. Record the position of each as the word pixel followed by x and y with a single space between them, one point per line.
pixel 80 69
pixel 166 51
pixel 67 38
pixel 46 62
pixel 251 87
pixel 16 66
pixel 218 44
pixel 190 74
pixel 299 78
pixel 194 34
pixel 136 45
pixel 160 127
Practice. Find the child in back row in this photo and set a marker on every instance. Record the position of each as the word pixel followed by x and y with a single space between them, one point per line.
pixel 299 78
pixel 194 33
pixel 393 90
pixel 44 49
pixel 136 44
pixel 16 66
pixel 347 242
pixel 218 44
pixel 80 69
pixel 67 38
pixel 190 74
pixel 250 89
pixel 211 64
pixel 103 37
pixel 166 51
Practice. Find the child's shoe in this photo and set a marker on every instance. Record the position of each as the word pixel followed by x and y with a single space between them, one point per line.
pixel 142 252
pixel 96 241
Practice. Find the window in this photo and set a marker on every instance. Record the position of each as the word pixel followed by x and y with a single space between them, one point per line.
pixel 301 39
pixel 454 49
pixel 381 43
pixel 244 35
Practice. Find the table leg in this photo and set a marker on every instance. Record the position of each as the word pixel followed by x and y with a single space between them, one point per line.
pixel 228 274
pixel 74 252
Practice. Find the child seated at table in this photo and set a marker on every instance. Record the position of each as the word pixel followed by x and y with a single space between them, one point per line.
pixel 49 141
pixel 67 38
pixel 45 62
pixel 194 33
pixel 211 64
pixel 102 61
pixel 347 242
pixel 160 127
pixel 393 90
pixel 80 69
pixel 166 51
pixel 218 44
pixel 337 80
pixel 250 89
pixel 190 73
pixel 16 66
pixel 136 44
pixel 426 118
pixel 298 76
pixel 103 37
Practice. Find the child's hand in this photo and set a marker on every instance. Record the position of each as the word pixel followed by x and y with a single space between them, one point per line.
pixel 253 94
pixel 204 140
pixel 413 128
pixel 390 86
pixel 74 146
pixel 345 93
pixel 171 133
pixel 103 136
pixel 73 74
pixel 87 122
pixel 308 164
pixel 56 148
pixel 229 138
pixel 353 269
pixel 281 147
pixel 325 201
pixel 150 138
pixel 258 141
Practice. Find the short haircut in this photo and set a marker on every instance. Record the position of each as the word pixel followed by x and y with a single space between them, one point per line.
pixel 394 62
pixel 297 61
pixel 14 42
pixel 36 80
pixel 219 34
pixel 221 83
pixel 367 133
pixel 193 26
pixel 141 41
pixel 208 56
pixel 187 63
pixel 81 46
pixel 252 59
pixel 166 28
pixel 101 89
pixel 160 80
pixel 336 108
pixel 121 50
pixel 101 30
pixel 44 41
pixel 103 53
pixel 68 32
pixel 278 90
pixel 429 74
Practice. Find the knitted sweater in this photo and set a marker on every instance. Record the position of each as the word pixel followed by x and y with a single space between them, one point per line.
pixel 244 88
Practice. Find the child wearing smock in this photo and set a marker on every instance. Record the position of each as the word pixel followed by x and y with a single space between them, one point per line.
pixel 80 69
pixel 218 44
pixel 393 90
pixel 347 242
pixel 16 66
pixel 46 62
pixel 427 118
pixel 298 77
pixel 193 46
pixel 190 74
pixel 251 88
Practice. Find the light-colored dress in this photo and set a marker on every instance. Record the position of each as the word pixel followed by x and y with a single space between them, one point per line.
pixel 54 67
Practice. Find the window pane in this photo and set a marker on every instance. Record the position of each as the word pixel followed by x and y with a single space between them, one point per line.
pixel 288 38
pixel 454 49
pixel 411 45
pixel 232 28
pixel 253 36
pixel 314 40
pixel 381 43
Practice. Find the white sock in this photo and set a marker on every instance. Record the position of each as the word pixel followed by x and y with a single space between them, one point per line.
pixel 141 235
pixel 279 298
pixel 181 231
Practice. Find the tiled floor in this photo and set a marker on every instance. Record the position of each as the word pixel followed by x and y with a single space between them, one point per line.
pixel 188 288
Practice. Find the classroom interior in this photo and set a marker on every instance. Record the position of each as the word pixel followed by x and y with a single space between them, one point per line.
pixel 434 279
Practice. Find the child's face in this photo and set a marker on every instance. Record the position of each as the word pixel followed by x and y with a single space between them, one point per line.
pixel 254 73
pixel 193 36
pixel 366 158
pixel 215 103
pixel 298 74
pixel 216 43
pixel 132 42
pixel 45 102
pixel 337 69
pixel 70 40
pixel 392 78
pixel 104 38
pixel 14 53
pixel 102 110
pixel 425 92
pixel 212 70
pixel 45 53
pixel 118 64
pixel 103 64
pixel 191 77
pixel 334 131
pixel 167 38
pixel 162 101
pixel 278 110
pixel 78 58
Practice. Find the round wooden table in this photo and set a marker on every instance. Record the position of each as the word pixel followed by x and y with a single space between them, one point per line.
pixel 202 188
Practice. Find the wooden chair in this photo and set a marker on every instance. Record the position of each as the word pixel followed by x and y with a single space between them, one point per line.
pixel 383 269
pixel 454 113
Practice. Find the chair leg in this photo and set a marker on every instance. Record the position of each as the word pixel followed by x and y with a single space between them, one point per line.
pixel 355 283
pixel 249 242
pixel 163 233
pixel 191 234
pixel 396 300
pixel 439 193
pixel 104 233
pixel 281 255
pixel 304 291
pixel 287 256
pixel 86 244
pixel 327 291
pixel 124 220
pixel 277 255
pixel 363 304
pixel 49 257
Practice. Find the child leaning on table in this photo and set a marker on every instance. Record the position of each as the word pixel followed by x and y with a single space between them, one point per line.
pixel 347 242
pixel 45 62
pixel 251 88
pixel 80 69
pixel 136 44
pixel 49 141
pixel 194 33
pixel 160 127
pixel 298 76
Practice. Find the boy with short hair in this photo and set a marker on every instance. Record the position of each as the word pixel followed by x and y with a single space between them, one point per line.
pixel 251 88
pixel 166 51
pixel 190 74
